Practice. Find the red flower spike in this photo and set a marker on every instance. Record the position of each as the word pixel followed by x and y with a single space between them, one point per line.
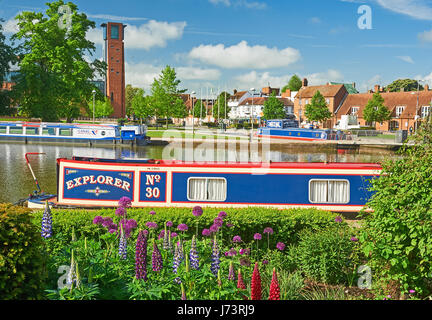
pixel 240 282
pixel 256 284
pixel 274 287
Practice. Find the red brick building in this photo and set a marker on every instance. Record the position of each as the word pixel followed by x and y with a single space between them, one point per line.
pixel 115 76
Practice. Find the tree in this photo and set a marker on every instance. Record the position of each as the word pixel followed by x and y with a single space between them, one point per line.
pixel 55 77
pixel 375 110
pixel 103 108
pixel 130 93
pixel 294 84
pixel 198 112
pixel 397 237
pixel 7 57
pixel 317 110
pixel 274 108
pixel 406 84
pixel 220 105
pixel 141 105
pixel 166 101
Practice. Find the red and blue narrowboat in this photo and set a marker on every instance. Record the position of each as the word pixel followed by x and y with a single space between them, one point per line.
pixel 341 187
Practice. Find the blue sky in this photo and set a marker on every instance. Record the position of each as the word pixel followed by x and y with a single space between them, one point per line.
pixel 239 44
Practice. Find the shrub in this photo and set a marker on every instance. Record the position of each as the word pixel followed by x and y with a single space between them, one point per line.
pixel 325 256
pixel 21 254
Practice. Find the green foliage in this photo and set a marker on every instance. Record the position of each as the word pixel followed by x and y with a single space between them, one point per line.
pixel 199 109
pixel 220 108
pixel 7 57
pixel 141 105
pixel 103 108
pixel 317 110
pixel 21 255
pixel 54 79
pixel 397 237
pixel 130 93
pixel 406 84
pixel 375 110
pixel 294 84
pixel 325 256
pixel 274 108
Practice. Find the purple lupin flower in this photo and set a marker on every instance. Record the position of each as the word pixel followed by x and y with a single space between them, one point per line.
pixel 197 211
pixel 46 222
pixel 215 264
pixel 141 256
pixel 156 258
pixel 231 275
pixel 176 258
pixel 193 255
pixel 122 246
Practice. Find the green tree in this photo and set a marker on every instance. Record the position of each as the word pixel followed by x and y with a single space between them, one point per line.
pixel 7 57
pixel 220 105
pixel 274 108
pixel 294 84
pixel 55 77
pixel 103 108
pixel 317 110
pixel 166 101
pixel 130 93
pixel 141 105
pixel 397 237
pixel 375 110
pixel 406 84
pixel 199 112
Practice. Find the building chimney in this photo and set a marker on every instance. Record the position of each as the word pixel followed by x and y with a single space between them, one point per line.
pixel 377 88
pixel 304 82
pixel 287 93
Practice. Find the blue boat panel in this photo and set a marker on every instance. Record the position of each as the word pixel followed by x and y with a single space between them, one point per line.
pixel 271 188
pixel 153 186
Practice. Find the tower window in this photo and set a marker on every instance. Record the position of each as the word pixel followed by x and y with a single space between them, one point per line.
pixel 112 96
pixel 114 32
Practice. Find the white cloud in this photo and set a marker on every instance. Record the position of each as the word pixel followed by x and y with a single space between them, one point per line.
pixel 240 3
pixel 242 55
pixel 260 80
pixel 95 35
pixel 314 20
pixel 192 73
pixel 407 59
pixel 141 75
pixel 10 26
pixel 425 36
pixel 424 79
pixel 369 84
pixel 417 9
pixel 321 78
pixel 110 17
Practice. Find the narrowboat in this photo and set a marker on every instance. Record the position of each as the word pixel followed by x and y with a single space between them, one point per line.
pixel 289 129
pixel 89 134
pixel 94 182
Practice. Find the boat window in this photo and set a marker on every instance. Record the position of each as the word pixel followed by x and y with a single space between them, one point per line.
pixel 3 129
pixel 15 130
pixel 32 131
pixel 65 132
pixel 207 189
pixel 48 131
pixel 329 191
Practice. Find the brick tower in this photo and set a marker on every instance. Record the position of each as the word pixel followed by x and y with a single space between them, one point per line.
pixel 115 75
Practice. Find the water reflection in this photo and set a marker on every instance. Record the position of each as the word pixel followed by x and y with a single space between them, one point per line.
pixel 17 182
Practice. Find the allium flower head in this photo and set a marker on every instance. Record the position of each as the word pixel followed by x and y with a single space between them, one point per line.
pixel 237 239
pixel 152 212
pixel 257 236
pixel 338 219
pixel 151 225
pixel 206 232
pixel 280 246
pixel 268 230
pixel 125 202
pixel 182 227
pixel 46 222
pixel 222 214
pixel 98 220
pixel 120 211
pixel 107 222
pixel 218 221
pixel 197 211
pixel 214 228
pixel 169 224
pixel 354 239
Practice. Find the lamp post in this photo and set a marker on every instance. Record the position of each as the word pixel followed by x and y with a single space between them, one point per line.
pixel 193 112
pixel 251 112
pixel 94 94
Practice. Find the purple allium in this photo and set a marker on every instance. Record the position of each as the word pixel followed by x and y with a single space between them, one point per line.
pixel 268 230
pixel 237 239
pixel 156 258
pixel 232 252
pixel 46 222
pixel 354 239
pixel 280 246
pixel 218 221
pixel 107 222
pixel 151 225
pixel 125 202
pixel 215 264
pixel 229 225
pixel 141 256
pixel 222 214
pixel 338 219
pixel 265 262
pixel 169 224
pixel 173 234
pixel 197 211
pixel 193 255
pixel 241 251
pixel 131 224
pixel 182 227
pixel 152 212
pixel 98 220
pixel 257 236
pixel 214 228
pixel 120 211
pixel 206 232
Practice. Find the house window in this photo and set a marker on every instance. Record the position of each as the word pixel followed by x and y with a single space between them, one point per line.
pixel 329 191
pixel 399 111
pixel 114 32
pixel 206 189
pixel 425 111
pixel 354 110
pixel 328 101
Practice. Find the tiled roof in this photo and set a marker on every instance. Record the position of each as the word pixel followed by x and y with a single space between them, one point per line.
pixel 259 101
pixel 237 95
pixel 391 101
pixel 349 86
pixel 325 90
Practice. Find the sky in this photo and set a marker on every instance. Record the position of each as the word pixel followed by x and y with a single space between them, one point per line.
pixel 217 45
